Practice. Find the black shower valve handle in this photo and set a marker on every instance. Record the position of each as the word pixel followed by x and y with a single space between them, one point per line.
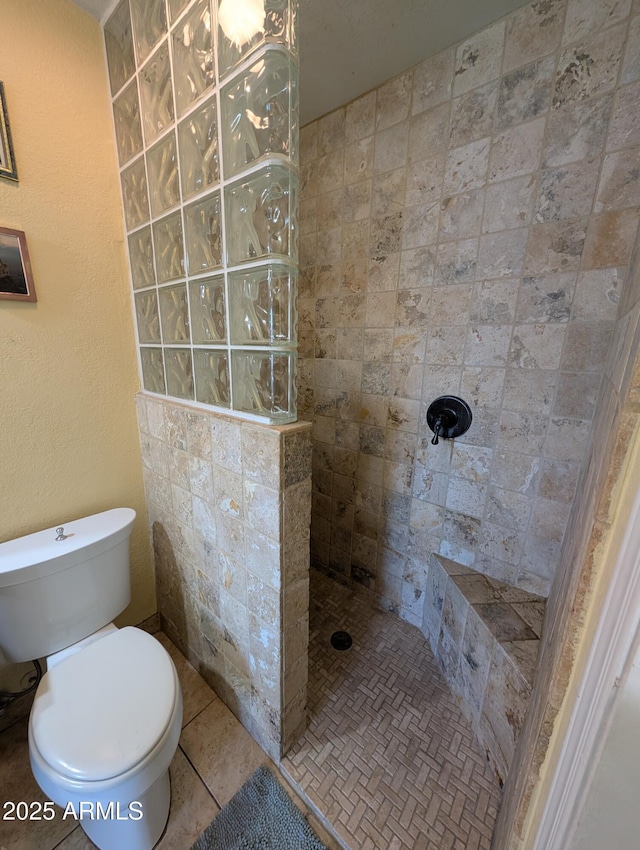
pixel 448 417
pixel 437 425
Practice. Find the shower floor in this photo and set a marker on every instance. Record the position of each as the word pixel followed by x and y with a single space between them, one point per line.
pixel 388 759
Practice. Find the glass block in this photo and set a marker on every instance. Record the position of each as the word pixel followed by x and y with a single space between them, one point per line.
pixel 175 7
pixel 174 313
pixel 179 372
pixel 203 221
pixel 126 117
pixel 259 112
pixel 118 41
pixel 265 21
pixel 134 194
pixel 156 95
pixel 162 167
pixel 169 247
pixel 261 216
pixel 193 63
pixel 153 370
pixel 147 316
pixel 264 384
pixel 206 299
pixel 198 145
pixel 149 25
pixel 212 376
pixel 262 307
pixel 141 258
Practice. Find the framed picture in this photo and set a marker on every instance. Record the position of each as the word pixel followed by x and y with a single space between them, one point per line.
pixel 16 280
pixel 7 160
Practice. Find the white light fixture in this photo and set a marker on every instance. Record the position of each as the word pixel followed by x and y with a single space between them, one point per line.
pixel 241 19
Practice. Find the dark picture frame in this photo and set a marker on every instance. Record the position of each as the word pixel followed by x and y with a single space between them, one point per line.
pixel 8 168
pixel 16 280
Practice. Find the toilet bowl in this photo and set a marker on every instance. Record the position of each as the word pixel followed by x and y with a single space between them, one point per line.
pixel 103 729
pixel 107 714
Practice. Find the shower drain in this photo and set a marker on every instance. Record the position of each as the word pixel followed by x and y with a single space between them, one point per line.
pixel 341 640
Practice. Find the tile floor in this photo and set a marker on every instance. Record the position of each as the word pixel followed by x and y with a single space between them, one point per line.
pixel 388 758
pixel 215 757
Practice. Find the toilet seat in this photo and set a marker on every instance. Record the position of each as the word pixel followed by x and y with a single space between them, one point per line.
pixel 101 712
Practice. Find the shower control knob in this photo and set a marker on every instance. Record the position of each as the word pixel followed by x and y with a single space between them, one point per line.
pixel 448 417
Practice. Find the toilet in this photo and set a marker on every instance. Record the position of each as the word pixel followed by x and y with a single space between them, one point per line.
pixel 107 713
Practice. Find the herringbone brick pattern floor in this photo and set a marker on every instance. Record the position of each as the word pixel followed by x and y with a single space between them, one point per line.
pixel 388 758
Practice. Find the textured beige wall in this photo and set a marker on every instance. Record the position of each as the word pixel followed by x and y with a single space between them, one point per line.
pixel 68 433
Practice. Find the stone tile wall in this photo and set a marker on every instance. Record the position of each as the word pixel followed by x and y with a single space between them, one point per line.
pixel 229 508
pixel 585 550
pixel 466 228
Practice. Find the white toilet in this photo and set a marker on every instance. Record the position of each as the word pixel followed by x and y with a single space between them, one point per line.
pixel 107 714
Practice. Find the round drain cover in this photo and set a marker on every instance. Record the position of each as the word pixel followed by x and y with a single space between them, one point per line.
pixel 341 640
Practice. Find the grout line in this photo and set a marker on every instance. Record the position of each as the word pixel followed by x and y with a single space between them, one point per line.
pixel 197 773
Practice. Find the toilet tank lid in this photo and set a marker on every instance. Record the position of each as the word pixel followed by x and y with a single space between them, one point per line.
pixel 100 712
pixel 36 555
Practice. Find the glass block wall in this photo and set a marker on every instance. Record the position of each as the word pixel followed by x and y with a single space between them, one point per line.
pixel 207 140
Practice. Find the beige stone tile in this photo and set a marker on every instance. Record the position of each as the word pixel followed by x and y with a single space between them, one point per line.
pixel 433 81
pixel 586 346
pixel 481 385
pixel 192 806
pixel 221 750
pixel 631 62
pixel 524 653
pixel 427 130
pixel 466 167
pixel 567 192
pixel 383 273
pixel 479 58
pixel 537 346
pixel 358 162
pixel 555 247
pixel 331 131
pixel 393 100
pixel 517 151
pixel 487 345
pixel 525 93
pixel 360 118
pixel 456 262
pixel 583 18
pixel 577 131
pixel 18 784
pixel 461 216
pixel 391 148
pixel 610 238
pixel 619 186
pixel 309 141
pixel 196 694
pixel 331 171
pixel 472 114
pixel 502 254
pixel 533 31
pixel 590 67
pixel 424 181
pixel 508 204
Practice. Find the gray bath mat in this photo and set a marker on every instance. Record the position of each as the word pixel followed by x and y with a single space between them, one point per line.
pixel 261 816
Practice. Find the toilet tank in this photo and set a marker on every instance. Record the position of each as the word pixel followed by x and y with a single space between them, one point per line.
pixel 54 592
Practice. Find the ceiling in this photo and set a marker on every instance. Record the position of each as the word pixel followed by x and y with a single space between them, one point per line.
pixel 348 47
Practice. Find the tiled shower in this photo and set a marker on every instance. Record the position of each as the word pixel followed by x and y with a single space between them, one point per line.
pixel 465 229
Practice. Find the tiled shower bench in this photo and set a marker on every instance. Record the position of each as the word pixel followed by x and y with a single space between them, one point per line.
pixel 485 636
